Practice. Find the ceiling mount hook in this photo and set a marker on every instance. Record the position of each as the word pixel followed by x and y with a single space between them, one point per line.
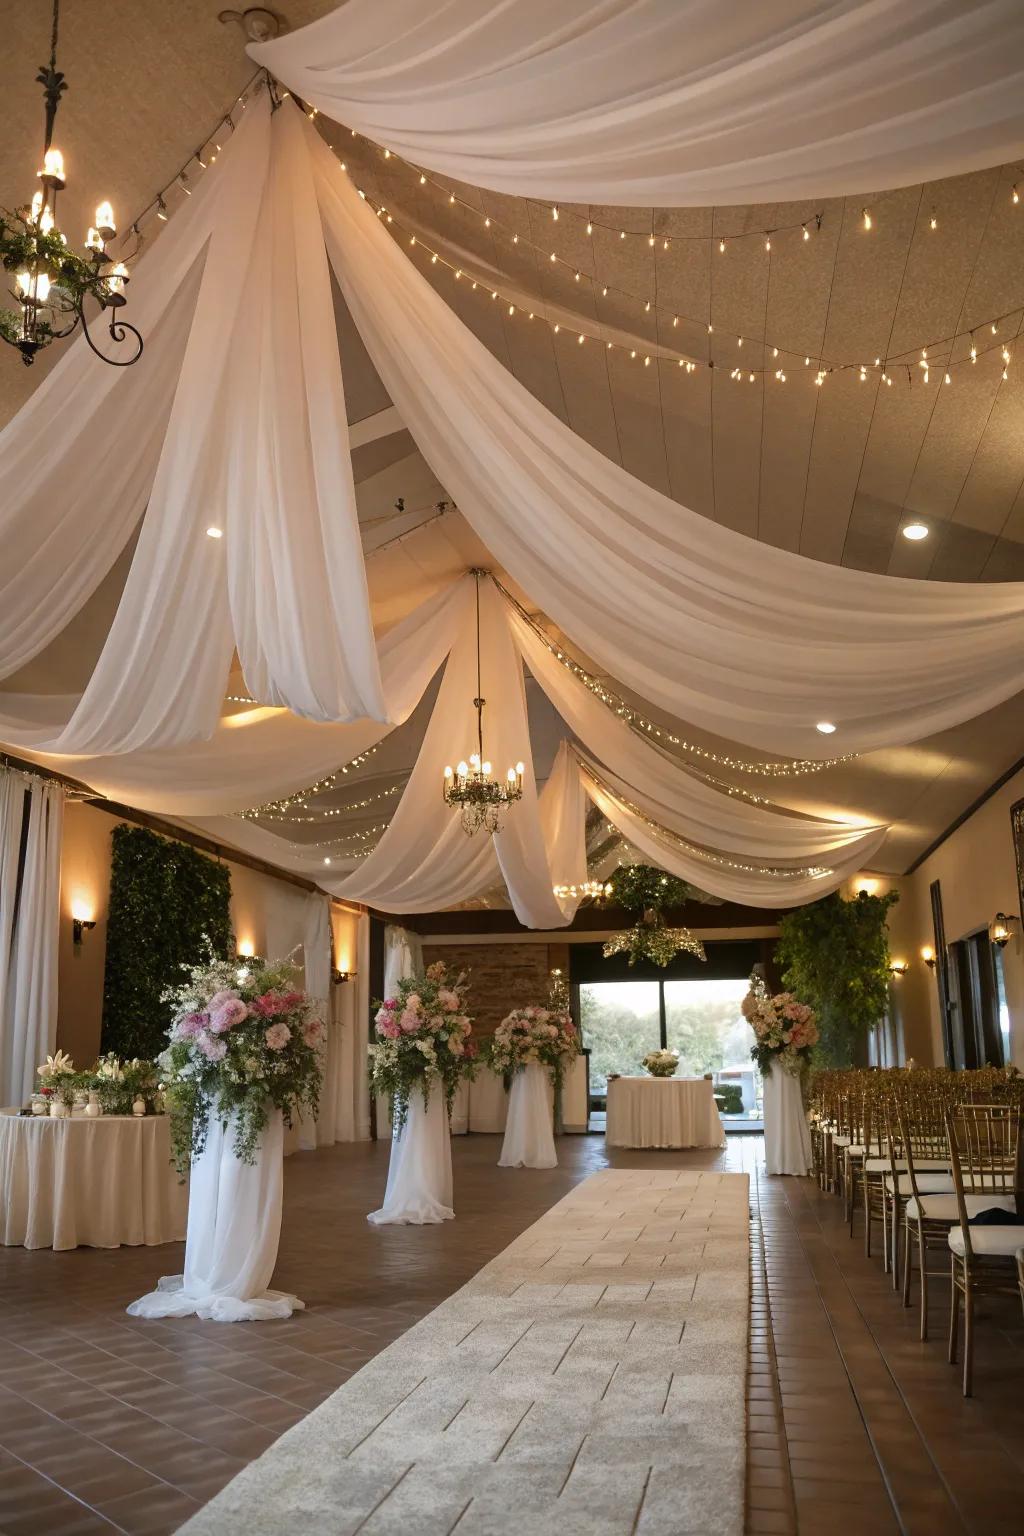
pixel 258 24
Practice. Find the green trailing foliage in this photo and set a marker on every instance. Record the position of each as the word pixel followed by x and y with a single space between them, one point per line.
pixel 834 955
pixel 643 888
pixel 169 907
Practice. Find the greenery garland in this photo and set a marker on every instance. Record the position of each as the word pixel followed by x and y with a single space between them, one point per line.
pixel 169 906
pixel 646 889
pixel 834 955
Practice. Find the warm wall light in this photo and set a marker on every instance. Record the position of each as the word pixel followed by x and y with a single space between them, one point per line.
pixel 246 949
pixel 928 956
pixel 79 925
pixel 1002 928
pixel 339 976
pixel 866 887
pixel 898 967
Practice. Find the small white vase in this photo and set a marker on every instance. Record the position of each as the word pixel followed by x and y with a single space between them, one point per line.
pixel 40 1106
pixel 139 1107
pixel 94 1108
pixel 58 1110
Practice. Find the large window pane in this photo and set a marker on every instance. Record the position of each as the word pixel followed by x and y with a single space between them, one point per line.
pixel 621 1022
pixel 704 1024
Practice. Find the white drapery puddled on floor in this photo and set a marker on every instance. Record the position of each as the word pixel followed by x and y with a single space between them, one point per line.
pixel 529 1139
pixel 787 1138
pixel 420 1189
pixel 234 1227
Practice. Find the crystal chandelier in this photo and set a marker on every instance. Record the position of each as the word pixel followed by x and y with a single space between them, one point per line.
pixel 51 281
pixel 470 786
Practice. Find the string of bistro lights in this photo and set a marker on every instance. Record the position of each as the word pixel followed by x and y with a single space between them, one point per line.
pixel 785 769
pixel 937 354
pixel 300 796
pixel 775 871
pixel 328 812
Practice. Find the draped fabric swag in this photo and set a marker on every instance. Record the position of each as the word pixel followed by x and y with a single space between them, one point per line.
pixel 670 101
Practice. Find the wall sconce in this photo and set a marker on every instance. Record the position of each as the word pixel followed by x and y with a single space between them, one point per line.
pixel 928 956
pixel 340 976
pixel 1002 928
pixel 78 929
pixel 898 968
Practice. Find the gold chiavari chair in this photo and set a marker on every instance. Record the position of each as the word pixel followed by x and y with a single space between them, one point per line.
pixel 925 1195
pixel 985 1155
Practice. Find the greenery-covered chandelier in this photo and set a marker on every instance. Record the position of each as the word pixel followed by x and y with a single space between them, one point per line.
pixel 470 786
pixel 51 281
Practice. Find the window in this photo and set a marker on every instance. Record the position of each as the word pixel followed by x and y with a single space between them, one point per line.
pixel 979 1018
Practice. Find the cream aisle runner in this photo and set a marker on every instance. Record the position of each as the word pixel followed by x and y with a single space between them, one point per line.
pixel 589 1381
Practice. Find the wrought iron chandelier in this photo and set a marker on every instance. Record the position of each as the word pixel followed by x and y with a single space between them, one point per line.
pixel 51 281
pixel 470 786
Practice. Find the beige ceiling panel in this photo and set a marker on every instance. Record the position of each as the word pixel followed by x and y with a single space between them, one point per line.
pixel 686 410
pixel 994 480
pixel 789 417
pixel 898 424
pixel 868 275
pixel 959 414
pixel 841 426
pixel 939 262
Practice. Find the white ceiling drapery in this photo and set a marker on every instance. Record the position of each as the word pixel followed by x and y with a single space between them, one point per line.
pixel 679 102
pixel 748 641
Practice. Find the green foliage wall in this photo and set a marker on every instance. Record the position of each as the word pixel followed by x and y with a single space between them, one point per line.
pixel 166 899
pixel 834 954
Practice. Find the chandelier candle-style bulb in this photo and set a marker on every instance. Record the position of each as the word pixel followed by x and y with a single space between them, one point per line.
pixel 94 241
pixel 117 277
pixel 52 173
pixel 105 221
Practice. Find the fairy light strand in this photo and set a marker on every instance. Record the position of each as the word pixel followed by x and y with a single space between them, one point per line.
pixel 318 788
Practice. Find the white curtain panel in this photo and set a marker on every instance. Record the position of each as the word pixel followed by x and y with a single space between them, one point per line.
pixel 748 881
pixel 28 1004
pixel 78 461
pixel 686 803
pixel 671 101
pixel 424 860
pixel 753 643
pixel 257 754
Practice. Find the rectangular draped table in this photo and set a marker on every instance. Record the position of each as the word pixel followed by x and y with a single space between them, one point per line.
pixel 88 1183
pixel 663 1112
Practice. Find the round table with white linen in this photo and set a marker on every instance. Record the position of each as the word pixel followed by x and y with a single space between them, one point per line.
pixel 79 1182
pixel 663 1112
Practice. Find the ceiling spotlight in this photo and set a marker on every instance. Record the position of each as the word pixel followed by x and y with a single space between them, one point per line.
pixel 215 533
pixel 825 727
pixel 914 531
pixel 327 860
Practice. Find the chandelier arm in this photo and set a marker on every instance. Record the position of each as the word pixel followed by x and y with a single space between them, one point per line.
pixel 118 329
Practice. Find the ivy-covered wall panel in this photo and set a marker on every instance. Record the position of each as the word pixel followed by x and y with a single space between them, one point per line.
pixel 167 901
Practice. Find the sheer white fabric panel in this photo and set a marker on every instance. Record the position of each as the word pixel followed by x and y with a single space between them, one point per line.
pixel 424 860
pixel 160 677
pixel 68 503
pixel 753 643
pixel 316 954
pixel 734 879
pixel 296 577
pixel 671 101
pixel 29 1000
pixel 257 754
pixel 691 807
pixel 563 820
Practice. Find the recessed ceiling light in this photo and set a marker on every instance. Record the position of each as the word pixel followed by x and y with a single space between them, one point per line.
pixel 915 531
pixel 825 727
pixel 214 533
pixel 327 861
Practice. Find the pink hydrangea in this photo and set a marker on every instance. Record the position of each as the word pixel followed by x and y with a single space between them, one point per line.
pixel 313 1031
pixel 190 1025
pixel 212 1047
pixel 389 1026
pixel 230 1013
pixel 410 1021
pixel 277 1036
pixel 220 998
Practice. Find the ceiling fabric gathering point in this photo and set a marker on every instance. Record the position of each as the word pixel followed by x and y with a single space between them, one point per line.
pixel 670 102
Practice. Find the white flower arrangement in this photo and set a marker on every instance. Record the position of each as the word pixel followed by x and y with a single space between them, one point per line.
pixel 661 1063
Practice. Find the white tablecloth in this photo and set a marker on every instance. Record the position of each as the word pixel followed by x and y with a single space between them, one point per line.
pixel 663 1112
pixel 88 1183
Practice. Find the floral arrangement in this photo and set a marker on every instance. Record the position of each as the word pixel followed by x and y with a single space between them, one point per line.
pixel 785 1030
pixel 544 1035
pixel 241 1041
pixel 117 1084
pixel 651 940
pixel 661 1063
pixel 645 889
pixel 423 1039
pixel 58 1078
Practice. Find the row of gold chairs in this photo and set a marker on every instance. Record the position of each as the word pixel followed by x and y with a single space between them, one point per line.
pixel 933 1161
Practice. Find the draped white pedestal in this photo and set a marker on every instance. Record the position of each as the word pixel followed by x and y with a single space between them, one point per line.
pixel 419 1189
pixel 787 1139
pixel 234 1226
pixel 529 1138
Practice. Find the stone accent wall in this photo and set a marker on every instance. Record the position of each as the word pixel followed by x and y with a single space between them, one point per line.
pixel 502 976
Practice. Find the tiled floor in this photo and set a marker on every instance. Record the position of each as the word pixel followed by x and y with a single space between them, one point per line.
pixel 108 1423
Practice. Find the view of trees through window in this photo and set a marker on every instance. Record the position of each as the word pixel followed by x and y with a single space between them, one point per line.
pixel 622 1021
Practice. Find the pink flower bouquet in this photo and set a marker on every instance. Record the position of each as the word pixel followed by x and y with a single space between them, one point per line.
pixel 785 1030
pixel 242 1040
pixel 423 1038
pixel 544 1035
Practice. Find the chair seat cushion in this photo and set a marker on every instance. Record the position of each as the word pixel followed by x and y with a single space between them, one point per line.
pixel 841 1141
pixel 927 1183
pixel 989 1241
pixel 933 1164
pixel 943 1207
pixel 858 1151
